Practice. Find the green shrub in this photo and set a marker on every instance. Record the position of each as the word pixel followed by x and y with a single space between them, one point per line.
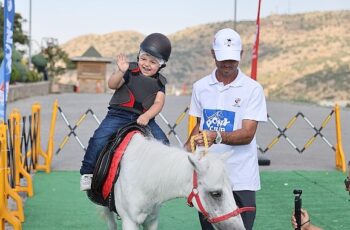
pixel 15 76
pixel 22 69
pixel 33 76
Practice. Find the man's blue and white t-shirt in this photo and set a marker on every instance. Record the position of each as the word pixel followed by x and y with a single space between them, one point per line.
pixel 223 108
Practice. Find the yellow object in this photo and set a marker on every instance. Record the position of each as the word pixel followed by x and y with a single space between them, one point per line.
pixel 37 150
pixel 15 132
pixel 205 140
pixel 339 153
pixel 6 215
pixel 192 121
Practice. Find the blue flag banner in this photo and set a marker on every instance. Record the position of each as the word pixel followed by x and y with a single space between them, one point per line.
pixel 5 69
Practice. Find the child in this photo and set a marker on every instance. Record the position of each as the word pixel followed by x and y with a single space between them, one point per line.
pixel 139 95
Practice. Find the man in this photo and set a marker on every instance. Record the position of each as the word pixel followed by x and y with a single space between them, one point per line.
pixel 228 106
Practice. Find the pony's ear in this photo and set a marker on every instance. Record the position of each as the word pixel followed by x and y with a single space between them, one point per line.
pixel 198 163
pixel 225 156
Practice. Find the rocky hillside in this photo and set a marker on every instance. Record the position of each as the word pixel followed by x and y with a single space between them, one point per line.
pixel 302 57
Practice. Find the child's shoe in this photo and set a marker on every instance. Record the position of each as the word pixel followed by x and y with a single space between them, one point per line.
pixel 85 182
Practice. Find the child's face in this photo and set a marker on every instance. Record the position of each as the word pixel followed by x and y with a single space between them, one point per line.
pixel 148 65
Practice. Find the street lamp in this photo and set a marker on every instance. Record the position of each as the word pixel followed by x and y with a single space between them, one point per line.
pixel 235 15
pixel 30 36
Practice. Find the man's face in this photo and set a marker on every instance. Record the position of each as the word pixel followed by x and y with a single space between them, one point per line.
pixel 227 68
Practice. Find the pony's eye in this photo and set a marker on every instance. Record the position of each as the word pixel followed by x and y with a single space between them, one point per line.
pixel 216 194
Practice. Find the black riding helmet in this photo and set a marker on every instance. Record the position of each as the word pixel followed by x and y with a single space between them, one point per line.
pixel 158 45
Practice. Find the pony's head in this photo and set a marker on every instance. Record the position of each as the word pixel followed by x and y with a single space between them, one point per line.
pixel 214 199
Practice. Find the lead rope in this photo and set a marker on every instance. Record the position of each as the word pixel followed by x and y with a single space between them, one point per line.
pixel 205 140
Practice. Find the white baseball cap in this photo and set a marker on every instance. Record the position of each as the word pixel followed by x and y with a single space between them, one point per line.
pixel 227 45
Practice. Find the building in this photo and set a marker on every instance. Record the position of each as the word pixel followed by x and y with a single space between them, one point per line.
pixel 91 71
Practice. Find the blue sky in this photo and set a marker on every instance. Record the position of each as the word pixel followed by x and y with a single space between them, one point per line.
pixel 66 19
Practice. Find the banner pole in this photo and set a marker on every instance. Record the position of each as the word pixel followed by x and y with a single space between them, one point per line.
pixel 254 67
pixel 6 65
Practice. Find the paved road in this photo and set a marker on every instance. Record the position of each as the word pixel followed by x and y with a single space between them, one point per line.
pixel 319 156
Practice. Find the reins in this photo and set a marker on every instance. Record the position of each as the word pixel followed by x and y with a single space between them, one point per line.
pixel 195 193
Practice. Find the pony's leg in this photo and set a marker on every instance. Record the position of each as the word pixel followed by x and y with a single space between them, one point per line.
pixel 110 217
pixel 151 223
pixel 128 224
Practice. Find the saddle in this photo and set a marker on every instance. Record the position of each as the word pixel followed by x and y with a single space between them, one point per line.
pixel 98 194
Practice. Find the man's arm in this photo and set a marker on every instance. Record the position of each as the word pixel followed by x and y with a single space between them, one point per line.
pixel 242 136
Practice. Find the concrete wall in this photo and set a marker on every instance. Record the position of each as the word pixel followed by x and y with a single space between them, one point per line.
pixel 24 90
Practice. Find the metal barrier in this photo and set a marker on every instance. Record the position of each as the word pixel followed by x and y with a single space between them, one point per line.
pixel 177 122
pixel 36 123
pixel 14 163
pixel 32 138
pixel 340 159
pixel 27 142
pixel 7 215
pixel 282 133
pixel 72 129
pixel 19 169
pixel 339 153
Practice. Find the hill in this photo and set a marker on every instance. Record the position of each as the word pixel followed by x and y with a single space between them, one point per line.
pixel 302 57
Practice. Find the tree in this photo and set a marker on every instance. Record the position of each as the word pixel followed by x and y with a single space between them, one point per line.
pixel 18 35
pixel 57 59
pixel 40 63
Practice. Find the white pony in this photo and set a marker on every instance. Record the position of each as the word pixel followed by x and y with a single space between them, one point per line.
pixel 152 173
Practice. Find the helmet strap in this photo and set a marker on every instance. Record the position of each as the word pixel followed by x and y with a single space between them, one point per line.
pixel 161 67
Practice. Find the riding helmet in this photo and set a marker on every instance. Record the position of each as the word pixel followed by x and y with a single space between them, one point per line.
pixel 158 45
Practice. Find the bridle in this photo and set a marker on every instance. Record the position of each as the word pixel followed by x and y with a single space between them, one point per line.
pixel 194 194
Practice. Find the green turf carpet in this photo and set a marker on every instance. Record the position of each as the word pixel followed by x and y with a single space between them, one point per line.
pixel 58 204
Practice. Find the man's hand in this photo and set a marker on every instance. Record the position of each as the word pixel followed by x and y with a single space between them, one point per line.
pixel 199 138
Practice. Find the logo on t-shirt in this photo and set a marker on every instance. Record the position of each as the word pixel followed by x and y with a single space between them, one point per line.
pixel 237 102
pixel 218 120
